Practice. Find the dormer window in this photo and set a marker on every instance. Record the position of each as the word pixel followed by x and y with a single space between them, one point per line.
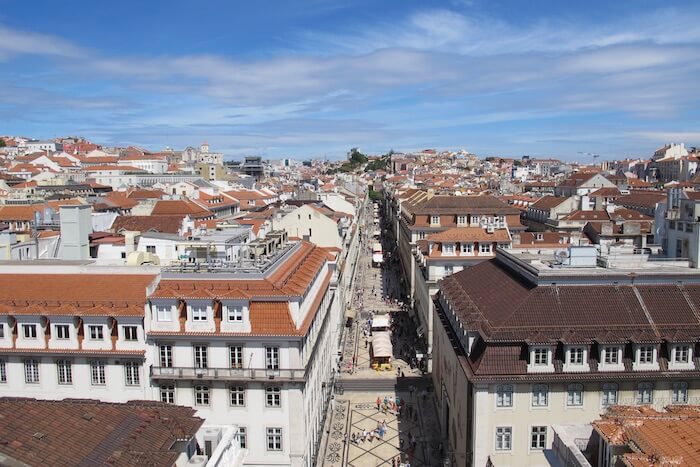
pixel 235 313
pixel 611 355
pixel 199 313
pixel 681 354
pixel 461 220
pixel 576 356
pixel 435 220
pixel 541 357
pixel 645 354
pixel 467 248
pixel 448 248
pixel 163 312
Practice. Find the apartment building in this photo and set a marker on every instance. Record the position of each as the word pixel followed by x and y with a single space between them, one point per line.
pixel 250 345
pixel 483 222
pixel 523 345
pixel 249 342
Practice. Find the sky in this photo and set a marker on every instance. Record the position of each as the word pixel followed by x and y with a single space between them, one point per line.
pixel 315 78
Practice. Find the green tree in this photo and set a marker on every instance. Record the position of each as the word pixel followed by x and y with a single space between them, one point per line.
pixel 2 143
pixel 356 157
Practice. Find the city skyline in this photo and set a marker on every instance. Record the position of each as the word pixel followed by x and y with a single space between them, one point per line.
pixel 315 78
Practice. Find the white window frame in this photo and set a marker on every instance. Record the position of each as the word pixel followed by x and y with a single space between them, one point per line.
pixel 98 373
pixel 644 351
pixel 167 393
pixel 202 395
pixel 236 356
pixel 272 357
pixel 132 374
pixel 448 269
pixel 234 313
pixel 576 356
pixel 606 391
pixel 3 371
pixel 485 247
pixel 164 313
pixel 62 331
pixel 608 352
pixel 448 249
pixel 31 371
pixel 273 397
pixel 537 352
pixel 461 219
pixel 540 395
pixel 273 437
pixel 434 220
pixel 538 438
pixel 504 396
pixel 128 329
pixel 504 438
pixel 466 248
pixel 242 437
pixel 29 331
pixel 201 356
pixel 64 371
pixel 574 395
pixel 644 393
pixel 679 392
pixel 236 396
pixel 96 332
pixel 200 313
pixel 165 355
pixel 682 350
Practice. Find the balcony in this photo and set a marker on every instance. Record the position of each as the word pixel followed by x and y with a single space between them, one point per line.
pixel 227 374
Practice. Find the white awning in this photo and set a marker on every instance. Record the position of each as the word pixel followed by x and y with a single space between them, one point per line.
pixel 377 258
pixel 377 248
pixel 381 321
pixel 381 345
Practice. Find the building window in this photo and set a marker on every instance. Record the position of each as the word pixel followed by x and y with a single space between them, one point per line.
pixel 646 354
pixel 449 269
pixel 131 333
pixel 435 220
pixel 97 373
pixel 166 356
pixel 31 371
pixel 681 354
pixel 541 357
pixel 151 249
pixel 467 248
pixel 65 373
pixel 504 436
pixel 576 356
pixel 448 248
pixel 2 331
pixel 540 395
pixel 236 352
pixel 611 355
pixel 235 313
pixel 167 394
pixel 609 396
pixel 3 372
pixel 29 331
pixel 680 393
pixel 62 331
pixel 484 248
pixel 237 396
pixel 164 313
pixel 645 393
pixel 504 395
pixel 96 333
pixel 574 395
pixel 242 437
pixel 421 235
pixel 273 396
pixel 272 358
pixel 199 313
pixel 461 220
pixel 274 439
pixel 538 438
pixel 200 356
pixel 131 373
pixel 201 395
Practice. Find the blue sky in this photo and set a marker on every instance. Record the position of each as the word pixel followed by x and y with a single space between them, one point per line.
pixel 314 78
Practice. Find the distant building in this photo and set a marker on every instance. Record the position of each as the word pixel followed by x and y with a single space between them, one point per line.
pixel 253 166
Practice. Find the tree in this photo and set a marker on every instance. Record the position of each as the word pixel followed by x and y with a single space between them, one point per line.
pixel 356 157
pixel 2 143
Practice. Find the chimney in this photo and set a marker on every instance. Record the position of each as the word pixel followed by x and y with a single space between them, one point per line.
pixel 76 226
pixel 130 241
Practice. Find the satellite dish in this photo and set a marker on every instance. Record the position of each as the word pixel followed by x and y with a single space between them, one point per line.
pixel 561 255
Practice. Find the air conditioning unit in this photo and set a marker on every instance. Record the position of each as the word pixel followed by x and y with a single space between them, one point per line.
pixel 490 229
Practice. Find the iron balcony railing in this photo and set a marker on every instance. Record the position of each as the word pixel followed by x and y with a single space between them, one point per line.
pixel 227 374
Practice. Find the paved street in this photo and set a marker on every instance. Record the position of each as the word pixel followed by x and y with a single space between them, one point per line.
pixel 354 410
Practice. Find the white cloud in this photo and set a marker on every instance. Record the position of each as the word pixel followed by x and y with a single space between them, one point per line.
pixel 14 42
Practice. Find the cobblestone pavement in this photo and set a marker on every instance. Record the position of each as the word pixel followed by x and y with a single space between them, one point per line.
pixel 377 290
